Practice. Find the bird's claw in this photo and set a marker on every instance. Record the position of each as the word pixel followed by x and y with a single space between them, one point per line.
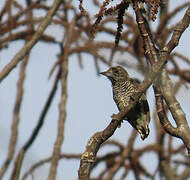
pixel 115 118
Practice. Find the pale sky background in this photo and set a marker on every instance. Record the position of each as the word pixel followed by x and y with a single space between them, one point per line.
pixel 89 106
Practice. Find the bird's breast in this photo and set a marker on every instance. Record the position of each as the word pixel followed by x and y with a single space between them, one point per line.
pixel 122 93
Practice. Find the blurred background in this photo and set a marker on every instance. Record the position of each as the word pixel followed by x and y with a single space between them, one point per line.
pixel 89 104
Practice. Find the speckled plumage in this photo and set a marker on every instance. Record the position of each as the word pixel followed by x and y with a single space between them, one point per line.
pixel 123 88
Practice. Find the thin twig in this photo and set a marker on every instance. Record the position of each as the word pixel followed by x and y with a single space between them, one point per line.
pixel 29 45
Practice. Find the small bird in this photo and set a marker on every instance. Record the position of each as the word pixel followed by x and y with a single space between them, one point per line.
pixel 123 87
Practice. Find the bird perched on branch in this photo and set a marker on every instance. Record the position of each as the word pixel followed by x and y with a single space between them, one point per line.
pixel 123 89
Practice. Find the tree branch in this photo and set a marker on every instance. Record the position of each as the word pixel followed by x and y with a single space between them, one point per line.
pixel 29 45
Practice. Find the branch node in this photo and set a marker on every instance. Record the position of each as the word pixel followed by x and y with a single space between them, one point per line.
pixel 88 157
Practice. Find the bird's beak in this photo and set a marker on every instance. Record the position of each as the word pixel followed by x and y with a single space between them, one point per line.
pixel 107 73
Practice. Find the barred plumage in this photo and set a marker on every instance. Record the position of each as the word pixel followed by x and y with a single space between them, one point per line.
pixel 123 88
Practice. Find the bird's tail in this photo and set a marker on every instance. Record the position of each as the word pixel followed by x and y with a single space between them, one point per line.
pixel 142 125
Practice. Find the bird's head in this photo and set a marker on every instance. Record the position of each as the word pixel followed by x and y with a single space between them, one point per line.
pixel 116 74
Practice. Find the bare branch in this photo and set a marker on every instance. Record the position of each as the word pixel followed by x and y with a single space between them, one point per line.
pixel 41 28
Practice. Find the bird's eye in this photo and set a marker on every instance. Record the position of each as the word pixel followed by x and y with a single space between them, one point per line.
pixel 115 71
